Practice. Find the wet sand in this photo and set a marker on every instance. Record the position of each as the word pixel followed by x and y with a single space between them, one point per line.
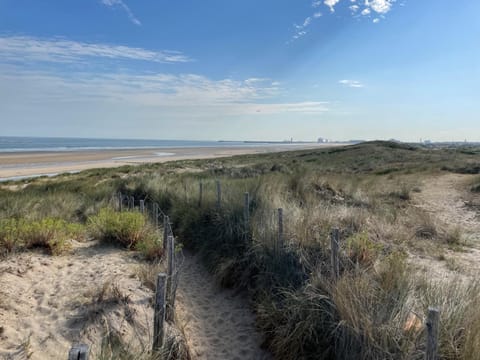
pixel 29 164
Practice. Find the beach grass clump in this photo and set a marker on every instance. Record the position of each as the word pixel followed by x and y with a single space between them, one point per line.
pixel 130 229
pixel 9 239
pixel 48 233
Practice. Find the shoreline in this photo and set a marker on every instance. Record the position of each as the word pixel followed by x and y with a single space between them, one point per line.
pixel 30 164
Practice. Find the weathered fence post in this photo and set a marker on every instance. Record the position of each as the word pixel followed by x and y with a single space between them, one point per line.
pixel 170 281
pixel 155 214
pixel 142 206
pixel 200 194
pixel 219 194
pixel 433 319
pixel 246 213
pixel 132 202
pixel 334 239
pixel 78 352
pixel 166 221
pixel 159 312
pixel 280 229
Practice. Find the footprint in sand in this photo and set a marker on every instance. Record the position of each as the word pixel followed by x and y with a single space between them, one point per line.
pixel 218 325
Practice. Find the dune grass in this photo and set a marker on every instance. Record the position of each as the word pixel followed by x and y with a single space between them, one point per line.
pixel 374 311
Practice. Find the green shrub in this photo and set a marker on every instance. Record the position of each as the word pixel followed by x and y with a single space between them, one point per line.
pixel 129 229
pixel 49 233
pixel 362 250
pixel 9 239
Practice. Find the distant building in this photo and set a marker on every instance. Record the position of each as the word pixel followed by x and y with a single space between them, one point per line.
pixel 322 140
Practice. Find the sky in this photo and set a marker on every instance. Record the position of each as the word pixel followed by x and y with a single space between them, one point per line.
pixel 241 70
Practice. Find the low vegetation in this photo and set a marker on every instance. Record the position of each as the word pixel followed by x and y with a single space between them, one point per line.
pixel 376 308
pixel 49 233
pixel 130 229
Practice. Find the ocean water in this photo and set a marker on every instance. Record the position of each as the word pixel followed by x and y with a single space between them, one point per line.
pixel 22 144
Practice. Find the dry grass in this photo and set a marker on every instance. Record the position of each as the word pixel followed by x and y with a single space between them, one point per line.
pixel 366 190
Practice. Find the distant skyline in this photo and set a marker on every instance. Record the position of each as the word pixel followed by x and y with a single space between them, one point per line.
pixel 250 70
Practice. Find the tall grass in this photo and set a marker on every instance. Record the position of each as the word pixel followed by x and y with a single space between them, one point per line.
pixel 375 309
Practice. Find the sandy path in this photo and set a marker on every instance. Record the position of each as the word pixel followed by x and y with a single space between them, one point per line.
pixel 46 301
pixel 217 324
pixel 444 198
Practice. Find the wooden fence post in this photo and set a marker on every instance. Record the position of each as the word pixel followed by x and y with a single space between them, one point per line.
pixel 78 352
pixel 433 319
pixel 219 194
pixel 142 206
pixel 200 194
pixel 159 312
pixel 132 202
pixel 280 229
pixel 155 214
pixel 334 240
pixel 170 281
pixel 166 221
pixel 246 213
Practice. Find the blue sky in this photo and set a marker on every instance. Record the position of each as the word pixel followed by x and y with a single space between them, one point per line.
pixel 251 69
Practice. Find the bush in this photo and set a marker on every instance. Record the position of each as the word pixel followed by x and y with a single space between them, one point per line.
pixel 362 250
pixel 9 235
pixel 130 229
pixel 49 233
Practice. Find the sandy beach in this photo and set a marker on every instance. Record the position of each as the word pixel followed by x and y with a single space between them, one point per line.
pixel 18 165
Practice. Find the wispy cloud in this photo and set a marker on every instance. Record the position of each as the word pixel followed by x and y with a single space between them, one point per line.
pixel 120 4
pixel 32 49
pixel 176 94
pixel 351 83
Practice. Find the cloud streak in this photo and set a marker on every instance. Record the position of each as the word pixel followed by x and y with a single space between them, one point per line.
pixel 351 83
pixel 177 94
pixel 124 7
pixel 58 50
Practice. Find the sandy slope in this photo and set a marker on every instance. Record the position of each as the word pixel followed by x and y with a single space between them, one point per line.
pixel 444 198
pixel 47 302
pixel 217 324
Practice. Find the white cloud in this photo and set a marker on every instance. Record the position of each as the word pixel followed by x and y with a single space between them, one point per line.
pixel 317 15
pixel 25 49
pixel 380 6
pixel 351 83
pixel 376 20
pixel 317 3
pixel 122 5
pixel 331 4
pixel 354 8
pixel 366 12
pixel 177 94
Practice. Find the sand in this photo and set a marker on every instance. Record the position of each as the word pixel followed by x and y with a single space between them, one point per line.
pixel 445 199
pixel 217 323
pixel 47 301
pixel 47 304
pixel 27 164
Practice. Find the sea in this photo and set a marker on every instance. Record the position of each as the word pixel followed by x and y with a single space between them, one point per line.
pixel 23 144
